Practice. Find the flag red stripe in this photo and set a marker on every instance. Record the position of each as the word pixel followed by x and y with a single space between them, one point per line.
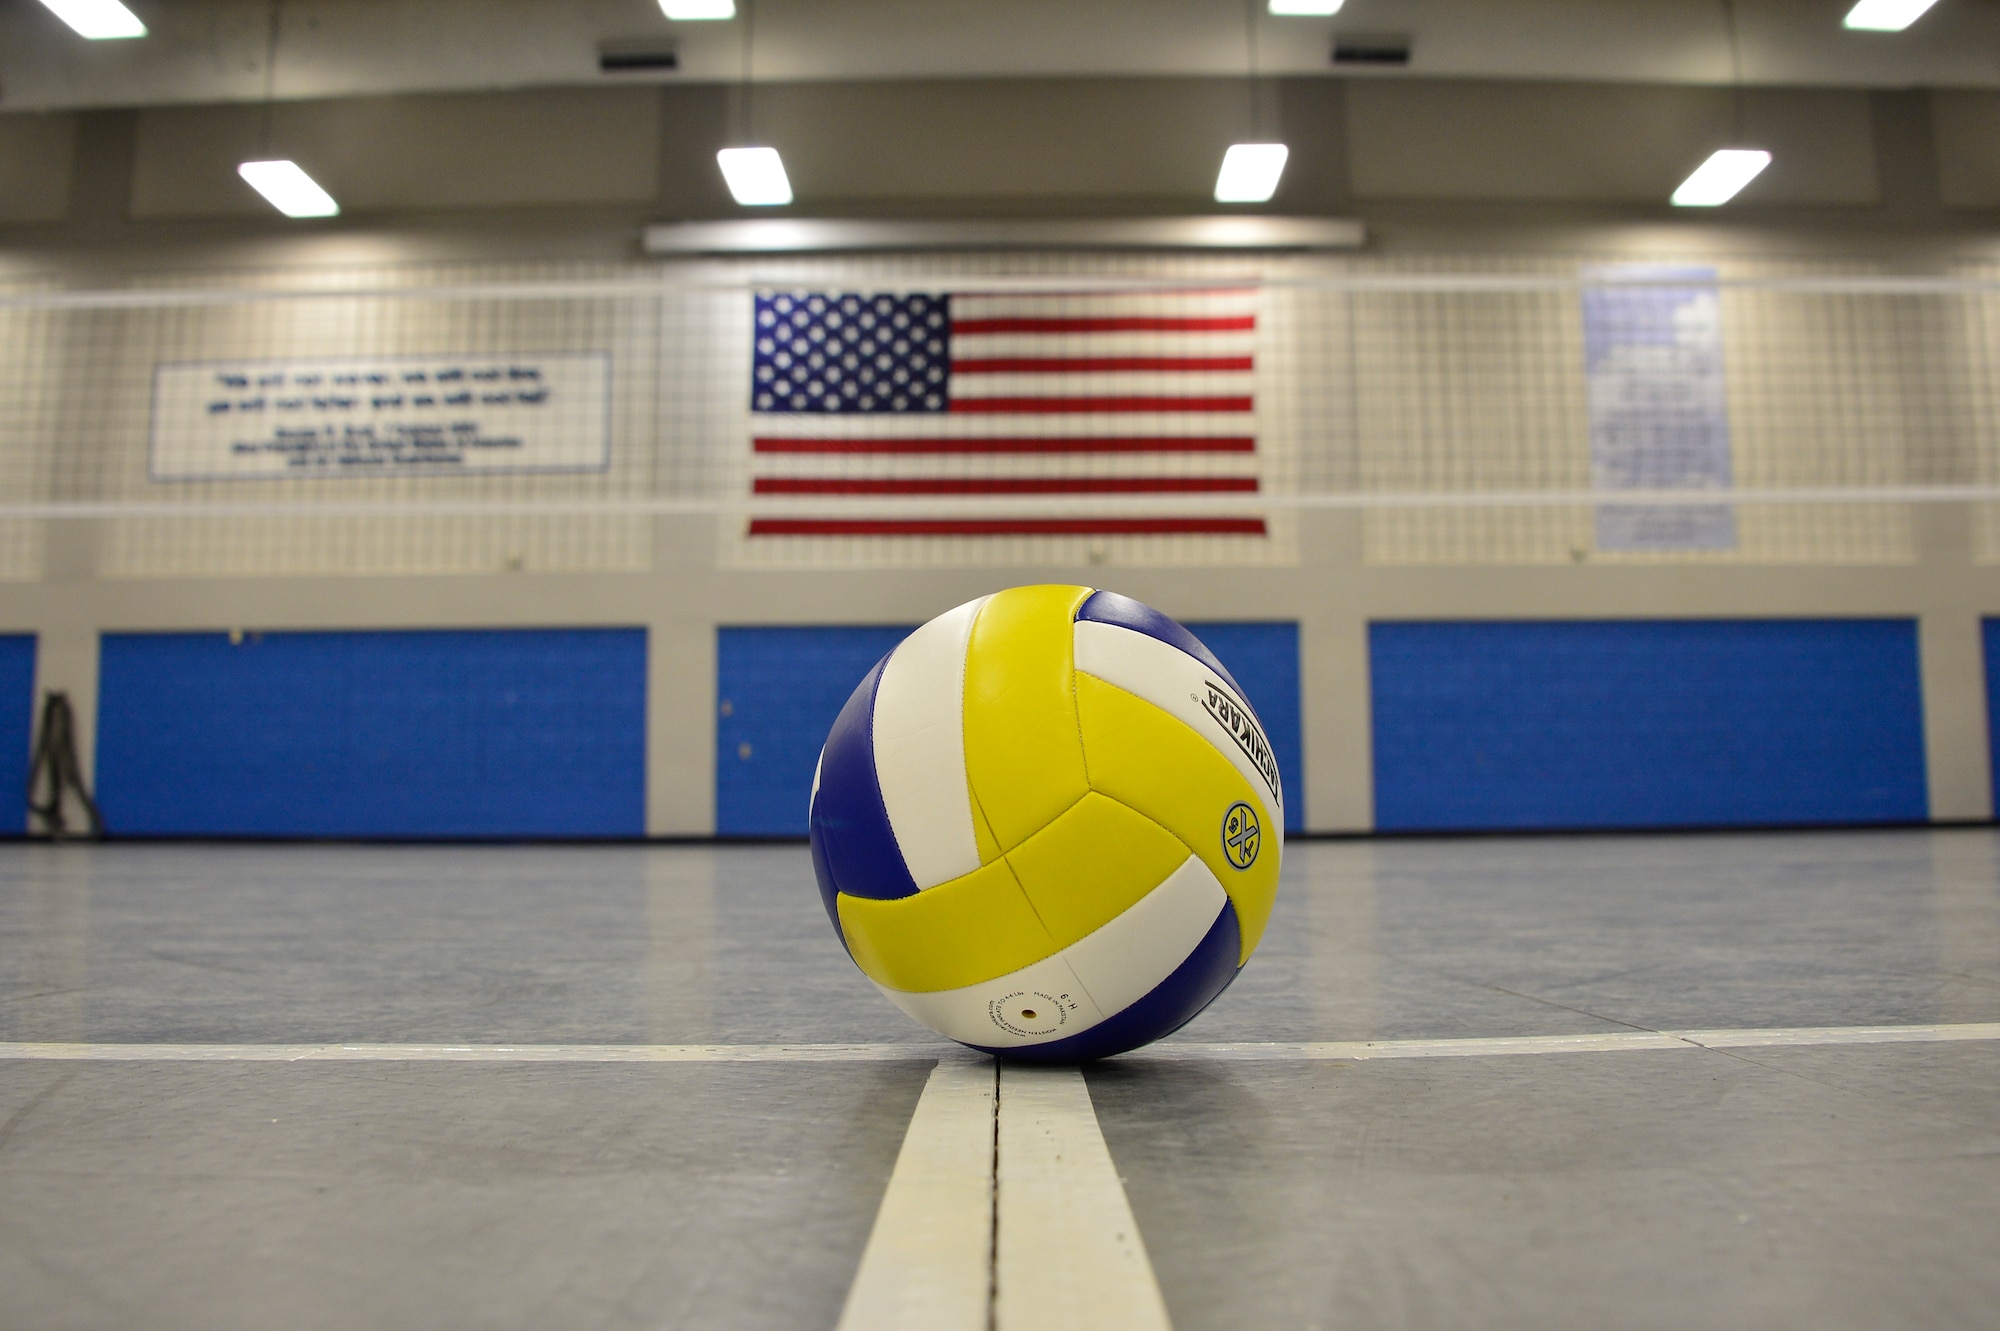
pixel 1052 405
pixel 1097 364
pixel 1121 323
pixel 1004 485
pixel 1062 444
pixel 1007 527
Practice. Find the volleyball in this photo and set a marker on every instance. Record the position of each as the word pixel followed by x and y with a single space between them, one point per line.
pixel 1048 824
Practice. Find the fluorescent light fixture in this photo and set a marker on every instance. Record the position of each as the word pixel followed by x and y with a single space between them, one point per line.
pixel 99 20
pixel 756 176
pixel 1306 8
pixel 1250 172
pixel 1869 15
pixel 692 11
pixel 1717 180
pixel 290 190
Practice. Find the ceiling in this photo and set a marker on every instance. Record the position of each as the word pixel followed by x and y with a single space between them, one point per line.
pixel 215 50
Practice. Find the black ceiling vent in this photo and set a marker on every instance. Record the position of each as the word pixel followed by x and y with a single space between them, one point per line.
pixel 1371 50
pixel 644 55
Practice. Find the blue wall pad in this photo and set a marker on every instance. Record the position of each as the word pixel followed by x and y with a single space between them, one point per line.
pixel 531 733
pixel 1264 658
pixel 1646 724
pixel 17 728
pixel 1990 632
pixel 779 689
pixel 777 692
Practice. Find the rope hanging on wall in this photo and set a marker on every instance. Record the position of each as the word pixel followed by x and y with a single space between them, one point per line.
pixel 55 761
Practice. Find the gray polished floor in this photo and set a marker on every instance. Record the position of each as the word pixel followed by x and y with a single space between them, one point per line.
pixel 1853 1186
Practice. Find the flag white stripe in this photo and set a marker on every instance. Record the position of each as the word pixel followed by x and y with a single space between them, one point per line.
pixel 1090 305
pixel 1119 383
pixel 979 346
pixel 1010 466
pixel 940 425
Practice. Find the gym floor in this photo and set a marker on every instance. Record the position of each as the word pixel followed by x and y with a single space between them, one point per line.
pixel 184 1141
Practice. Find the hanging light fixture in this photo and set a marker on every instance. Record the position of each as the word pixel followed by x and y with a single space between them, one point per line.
pixel 98 20
pixel 283 182
pixel 754 173
pixel 1251 171
pixel 1727 170
pixel 1872 15
pixel 756 176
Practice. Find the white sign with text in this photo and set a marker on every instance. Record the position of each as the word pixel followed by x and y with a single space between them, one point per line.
pixel 384 415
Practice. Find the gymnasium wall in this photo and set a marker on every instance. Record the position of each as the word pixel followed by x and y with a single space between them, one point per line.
pixel 1829 664
pixel 1444 392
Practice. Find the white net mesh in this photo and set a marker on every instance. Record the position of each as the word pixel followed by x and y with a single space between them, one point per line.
pixel 1095 409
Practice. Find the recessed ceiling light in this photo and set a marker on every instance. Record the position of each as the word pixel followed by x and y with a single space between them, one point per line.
pixel 99 20
pixel 1869 15
pixel 1250 172
pixel 1717 180
pixel 756 176
pixel 691 11
pixel 289 189
pixel 1305 8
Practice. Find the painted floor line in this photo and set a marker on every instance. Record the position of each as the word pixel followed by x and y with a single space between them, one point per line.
pixel 1595 1043
pixel 482 1053
pixel 928 1265
pixel 1279 1052
pixel 1067 1255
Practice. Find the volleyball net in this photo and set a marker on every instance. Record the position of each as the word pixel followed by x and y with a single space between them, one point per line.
pixel 1034 408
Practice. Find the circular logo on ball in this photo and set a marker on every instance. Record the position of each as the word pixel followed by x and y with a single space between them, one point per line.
pixel 1028 1013
pixel 1242 837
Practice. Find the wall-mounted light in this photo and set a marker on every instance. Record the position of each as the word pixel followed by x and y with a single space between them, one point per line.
pixel 99 20
pixel 288 188
pixel 1306 8
pixel 1718 180
pixel 1250 172
pixel 695 11
pixel 756 176
pixel 1872 15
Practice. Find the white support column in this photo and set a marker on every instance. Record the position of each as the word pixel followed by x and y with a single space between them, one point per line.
pixel 1956 748
pixel 1333 680
pixel 680 728
pixel 66 644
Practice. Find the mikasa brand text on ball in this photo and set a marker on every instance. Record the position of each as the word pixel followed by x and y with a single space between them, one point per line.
pixel 1048 824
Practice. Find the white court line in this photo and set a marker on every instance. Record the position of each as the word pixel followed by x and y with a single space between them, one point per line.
pixel 1278 1052
pixel 481 1053
pixel 1604 1043
pixel 1068 1256
pixel 1067 1251
pixel 929 1261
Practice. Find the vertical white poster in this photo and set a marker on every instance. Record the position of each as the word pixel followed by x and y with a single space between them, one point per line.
pixel 1659 418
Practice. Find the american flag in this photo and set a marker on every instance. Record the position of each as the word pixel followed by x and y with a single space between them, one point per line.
pixel 983 396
